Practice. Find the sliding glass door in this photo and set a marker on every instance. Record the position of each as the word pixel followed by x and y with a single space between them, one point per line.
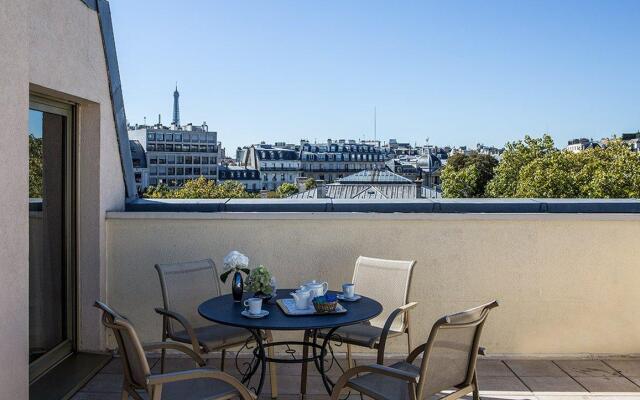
pixel 51 234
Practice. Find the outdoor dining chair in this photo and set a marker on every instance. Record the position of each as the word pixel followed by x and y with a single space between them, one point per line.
pixel 214 385
pixel 185 286
pixel 388 282
pixel 448 363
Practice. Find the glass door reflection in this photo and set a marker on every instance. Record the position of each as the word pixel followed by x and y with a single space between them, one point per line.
pixel 51 277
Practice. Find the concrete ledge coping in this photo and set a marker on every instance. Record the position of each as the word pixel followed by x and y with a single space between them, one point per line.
pixel 445 206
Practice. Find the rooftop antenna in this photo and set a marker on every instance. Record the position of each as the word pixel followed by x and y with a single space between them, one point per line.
pixel 375 123
pixel 145 120
pixel 159 120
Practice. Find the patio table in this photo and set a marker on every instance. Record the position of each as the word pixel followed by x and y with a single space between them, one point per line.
pixel 224 310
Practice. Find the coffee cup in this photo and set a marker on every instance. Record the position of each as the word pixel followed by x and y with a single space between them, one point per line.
pixel 348 290
pixel 254 305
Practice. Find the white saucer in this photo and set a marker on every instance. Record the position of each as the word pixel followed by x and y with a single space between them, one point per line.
pixel 354 298
pixel 262 314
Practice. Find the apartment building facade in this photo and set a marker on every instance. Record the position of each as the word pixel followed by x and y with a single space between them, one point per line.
pixel 331 161
pixel 178 153
pixel 277 164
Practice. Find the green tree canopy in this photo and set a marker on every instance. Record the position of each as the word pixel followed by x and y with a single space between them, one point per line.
pixel 535 168
pixel 310 184
pixel 35 167
pixel 514 158
pixel 287 189
pixel 200 188
pixel 467 175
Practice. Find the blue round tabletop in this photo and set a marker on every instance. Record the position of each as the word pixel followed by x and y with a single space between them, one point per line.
pixel 224 310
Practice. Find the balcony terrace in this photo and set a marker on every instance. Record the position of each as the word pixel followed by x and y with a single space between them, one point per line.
pixel 566 281
pixel 564 271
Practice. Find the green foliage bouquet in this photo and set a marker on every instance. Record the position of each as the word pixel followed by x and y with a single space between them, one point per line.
pixel 260 281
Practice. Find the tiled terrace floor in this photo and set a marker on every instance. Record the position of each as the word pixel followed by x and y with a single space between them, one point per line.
pixel 499 379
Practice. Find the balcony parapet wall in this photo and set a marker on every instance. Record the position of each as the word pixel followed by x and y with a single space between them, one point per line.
pixel 567 282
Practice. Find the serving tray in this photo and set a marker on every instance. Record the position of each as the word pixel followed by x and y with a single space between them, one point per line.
pixel 288 306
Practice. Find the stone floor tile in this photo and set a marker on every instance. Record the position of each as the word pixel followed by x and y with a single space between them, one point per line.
pixel 552 384
pixel 96 396
pixel 607 384
pixel 628 368
pixel 104 383
pixel 493 368
pixel 556 396
pixel 501 383
pixel 593 368
pixel 541 368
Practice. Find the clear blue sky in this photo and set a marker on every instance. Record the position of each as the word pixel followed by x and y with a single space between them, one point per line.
pixel 455 72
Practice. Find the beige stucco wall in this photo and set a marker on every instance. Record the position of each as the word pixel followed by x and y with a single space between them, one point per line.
pixel 14 252
pixel 567 284
pixel 67 61
pixel 52 47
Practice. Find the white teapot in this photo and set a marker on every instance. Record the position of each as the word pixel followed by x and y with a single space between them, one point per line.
pixel 302 298
pixel 317 289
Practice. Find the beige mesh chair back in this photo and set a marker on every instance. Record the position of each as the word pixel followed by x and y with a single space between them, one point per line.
pixel 134 362
pixel 451 351
pixel 388 282
pixel 448 363
pixel 185 286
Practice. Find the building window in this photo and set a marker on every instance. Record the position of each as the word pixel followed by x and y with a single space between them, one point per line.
pixel 153 181
pixel 171 159
pixel 162 170
pixel 171 171
pixel 162 160
pixel 177 137
pixel 151 136
pixel 160 137
pixel 205 160
pixel 151 147
pixel 196 159
pixel 179 159
pixel 203 148
pixel 188 171
pixel 178 147
pixel 160 147
pixel 168 137
pixel 153 160
pixel 169 147
pixel 196 171
pixel 153 171
pixel 186 137
pixel 188 160
pixel 179 171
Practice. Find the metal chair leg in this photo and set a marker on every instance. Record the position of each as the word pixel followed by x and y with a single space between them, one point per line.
pixel 273 376
pixel 222 357
pixel 349 358
pixel 305 354
pixel 476 390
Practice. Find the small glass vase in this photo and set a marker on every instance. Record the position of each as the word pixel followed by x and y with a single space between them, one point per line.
pixel 237 287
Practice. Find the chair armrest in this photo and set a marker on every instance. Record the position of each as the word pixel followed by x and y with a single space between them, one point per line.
pixel 175 346
pixel 202 373
pixel 406 376
pixel 416 352
pixel 387 327
pixel 195 343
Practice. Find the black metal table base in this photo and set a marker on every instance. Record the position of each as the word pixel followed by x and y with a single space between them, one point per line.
pixel 260 358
